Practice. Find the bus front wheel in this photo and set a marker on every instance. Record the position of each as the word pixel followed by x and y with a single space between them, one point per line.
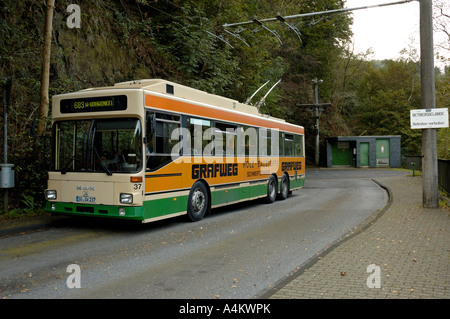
pixel 198 201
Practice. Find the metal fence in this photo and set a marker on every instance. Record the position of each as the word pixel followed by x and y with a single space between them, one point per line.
pixel 443 169
pixel 444 174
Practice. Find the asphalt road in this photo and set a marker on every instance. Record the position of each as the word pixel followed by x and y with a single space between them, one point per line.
pixel 240 251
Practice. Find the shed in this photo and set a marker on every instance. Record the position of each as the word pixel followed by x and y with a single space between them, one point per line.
pixel 364 151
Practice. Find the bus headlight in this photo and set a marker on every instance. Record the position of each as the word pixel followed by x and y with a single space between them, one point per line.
pixel 126 198
pixel 50 194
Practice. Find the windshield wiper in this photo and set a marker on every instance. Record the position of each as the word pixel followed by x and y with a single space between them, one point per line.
pixel 64 170
pixel 92 130
pixel 107 171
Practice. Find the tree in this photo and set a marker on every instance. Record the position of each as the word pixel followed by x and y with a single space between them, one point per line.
pixel 441 18
pixel 45 73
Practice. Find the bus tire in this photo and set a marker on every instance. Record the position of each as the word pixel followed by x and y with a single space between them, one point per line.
pixel 284 187
pixel 271 189
pixel 198 201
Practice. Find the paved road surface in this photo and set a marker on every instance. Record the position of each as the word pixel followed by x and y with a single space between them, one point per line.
pixel 238 252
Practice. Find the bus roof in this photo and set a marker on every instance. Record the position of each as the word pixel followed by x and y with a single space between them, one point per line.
pixel 184 92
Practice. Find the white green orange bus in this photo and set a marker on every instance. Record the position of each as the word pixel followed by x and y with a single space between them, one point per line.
pixel 153 149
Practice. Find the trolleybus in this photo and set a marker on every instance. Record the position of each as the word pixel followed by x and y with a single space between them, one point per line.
pixel 153 149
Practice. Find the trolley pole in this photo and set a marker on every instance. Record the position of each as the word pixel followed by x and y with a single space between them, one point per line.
pixel 429 143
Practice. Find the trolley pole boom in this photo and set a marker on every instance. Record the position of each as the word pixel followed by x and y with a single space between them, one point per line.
pixel 251 97
pixel 302 15
pixel 258 105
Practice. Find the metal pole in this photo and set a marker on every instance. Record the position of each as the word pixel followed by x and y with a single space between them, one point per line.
pixel 316 116
pixel 5 124
pixel 5 144
pixel 429 144
pixel 6 97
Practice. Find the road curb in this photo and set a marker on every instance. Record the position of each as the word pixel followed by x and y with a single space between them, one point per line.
pixel 15 227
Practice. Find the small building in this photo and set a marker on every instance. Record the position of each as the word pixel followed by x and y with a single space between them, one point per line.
pixel 363 151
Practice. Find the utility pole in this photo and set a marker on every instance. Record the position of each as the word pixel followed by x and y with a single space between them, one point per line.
pixel 316 116
pixel 429 143
pixel 316 107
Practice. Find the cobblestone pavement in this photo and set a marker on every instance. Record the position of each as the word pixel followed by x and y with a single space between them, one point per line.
pixel 403 254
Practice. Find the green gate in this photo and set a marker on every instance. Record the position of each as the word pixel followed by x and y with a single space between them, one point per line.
pixel 341 154
pixel 382 152
pixel 363 154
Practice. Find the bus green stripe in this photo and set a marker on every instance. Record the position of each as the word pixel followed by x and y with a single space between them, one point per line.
pixel 164 206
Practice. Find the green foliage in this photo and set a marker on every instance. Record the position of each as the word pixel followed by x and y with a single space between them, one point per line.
pixel 375 98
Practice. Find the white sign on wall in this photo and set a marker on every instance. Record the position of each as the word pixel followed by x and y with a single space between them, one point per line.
pixel 429 118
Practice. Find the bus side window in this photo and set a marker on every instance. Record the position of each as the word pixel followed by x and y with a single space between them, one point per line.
pixel 249 141
pixel 225 139
pixel 298 145
pixel 288 144
pixel 281 143
pixel 199 130
pixel 166 125
pixel 150 134
pixel 160 127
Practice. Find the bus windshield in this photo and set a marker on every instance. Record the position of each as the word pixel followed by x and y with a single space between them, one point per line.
pixel 98 145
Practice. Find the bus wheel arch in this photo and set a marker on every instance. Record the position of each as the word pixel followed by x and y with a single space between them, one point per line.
pixel 199 201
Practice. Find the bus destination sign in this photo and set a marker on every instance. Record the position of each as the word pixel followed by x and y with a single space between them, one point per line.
pixel 94 104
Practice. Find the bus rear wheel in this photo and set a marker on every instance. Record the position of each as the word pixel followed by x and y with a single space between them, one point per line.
pixel 271 189
pixel 284 187
pixel 198 202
